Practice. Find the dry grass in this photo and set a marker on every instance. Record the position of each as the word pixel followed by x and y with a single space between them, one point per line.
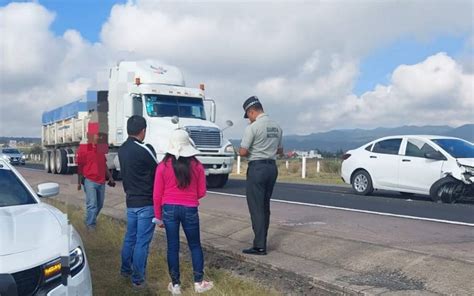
pixel 330 171
pixel 103 251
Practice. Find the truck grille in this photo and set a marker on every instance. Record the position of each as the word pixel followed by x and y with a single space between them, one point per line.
pixel 205 136
pixel 28 281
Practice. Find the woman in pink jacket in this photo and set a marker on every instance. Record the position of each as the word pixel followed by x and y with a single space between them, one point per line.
pixel 180 182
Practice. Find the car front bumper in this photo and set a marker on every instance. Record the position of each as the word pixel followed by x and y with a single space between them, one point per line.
pixel 216 165
pixel 79 285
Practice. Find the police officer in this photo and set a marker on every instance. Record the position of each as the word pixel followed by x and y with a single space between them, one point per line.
pixel 261 142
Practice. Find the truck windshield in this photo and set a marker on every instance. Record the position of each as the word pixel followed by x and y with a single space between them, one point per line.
pixel 168 106
pixel 457 148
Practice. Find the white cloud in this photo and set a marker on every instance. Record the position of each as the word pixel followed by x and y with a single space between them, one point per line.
pixel 302 59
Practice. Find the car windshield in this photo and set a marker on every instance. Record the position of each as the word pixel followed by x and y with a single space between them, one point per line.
pixel 11 151
pixel 457 148
pixel 168 106
pixel 12 190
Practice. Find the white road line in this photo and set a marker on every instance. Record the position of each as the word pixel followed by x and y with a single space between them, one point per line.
pixel 356 210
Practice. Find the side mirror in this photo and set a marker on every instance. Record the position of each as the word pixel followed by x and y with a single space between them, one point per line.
pixel 48 189
pixel 175 119
pixel 436 155
pixel 229 123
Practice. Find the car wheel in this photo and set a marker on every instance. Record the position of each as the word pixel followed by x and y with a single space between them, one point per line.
pixel 362 183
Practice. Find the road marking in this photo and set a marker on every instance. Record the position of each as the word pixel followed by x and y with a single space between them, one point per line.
pixel 356 210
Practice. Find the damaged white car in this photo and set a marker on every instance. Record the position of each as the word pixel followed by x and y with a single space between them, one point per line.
pixel 441 167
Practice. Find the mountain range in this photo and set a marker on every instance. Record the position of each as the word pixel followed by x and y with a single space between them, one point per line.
pixel 345 139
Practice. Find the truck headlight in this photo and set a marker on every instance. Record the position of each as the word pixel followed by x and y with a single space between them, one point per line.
pixel 52 269
pixel 229 149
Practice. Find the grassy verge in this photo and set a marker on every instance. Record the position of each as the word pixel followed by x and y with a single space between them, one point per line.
pixel 329 171
pixel 103 251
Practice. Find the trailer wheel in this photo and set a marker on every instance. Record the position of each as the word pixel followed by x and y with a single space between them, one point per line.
pixel 46 156
pixel 61 161
pixel 70 169
pixel 217 181
pixel 52 161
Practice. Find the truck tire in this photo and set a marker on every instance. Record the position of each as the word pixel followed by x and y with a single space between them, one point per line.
pixel 362 182
pixel 46 156
pixel 52 161
pixel 61 161
pixel 217 181
pixel 116 175
pixel 70 169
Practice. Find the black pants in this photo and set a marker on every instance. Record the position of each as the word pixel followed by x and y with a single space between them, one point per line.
pixel 261 178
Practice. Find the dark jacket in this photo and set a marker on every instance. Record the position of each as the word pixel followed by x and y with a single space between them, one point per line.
pixel 137 168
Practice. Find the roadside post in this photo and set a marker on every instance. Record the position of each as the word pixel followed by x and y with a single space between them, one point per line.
pixel 318 167
pixel 287 165
pixel 303 168
pixel 238 165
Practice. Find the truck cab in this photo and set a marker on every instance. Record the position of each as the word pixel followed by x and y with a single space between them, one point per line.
pixel 158 93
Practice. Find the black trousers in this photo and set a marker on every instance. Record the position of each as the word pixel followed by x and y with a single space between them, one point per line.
pixel 261 178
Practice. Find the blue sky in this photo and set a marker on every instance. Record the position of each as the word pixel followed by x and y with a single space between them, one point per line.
pixel 377 67
pixel 88 16
pixel 210 44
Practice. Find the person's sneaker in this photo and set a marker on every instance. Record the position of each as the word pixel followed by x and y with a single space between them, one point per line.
pixel 203 286
pixel 125 274
pixel 139 286
pixel 174 289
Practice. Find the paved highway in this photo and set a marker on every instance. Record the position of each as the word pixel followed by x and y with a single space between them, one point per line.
pixel 381 202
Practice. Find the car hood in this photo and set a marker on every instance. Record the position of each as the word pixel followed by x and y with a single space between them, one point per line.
pixel 466 161
pixel 27 227
pixel 13 154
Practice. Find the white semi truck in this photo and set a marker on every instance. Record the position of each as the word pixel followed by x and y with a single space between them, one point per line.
pixel 156 92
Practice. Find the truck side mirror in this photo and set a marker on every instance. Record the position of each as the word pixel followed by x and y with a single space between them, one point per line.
pixel 175 119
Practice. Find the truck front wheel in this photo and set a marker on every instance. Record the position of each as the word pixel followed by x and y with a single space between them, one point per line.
pixel 217 181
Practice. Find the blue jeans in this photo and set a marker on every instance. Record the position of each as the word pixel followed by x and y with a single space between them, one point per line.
pixel 137 241
pixel 173 216
pixel 95 195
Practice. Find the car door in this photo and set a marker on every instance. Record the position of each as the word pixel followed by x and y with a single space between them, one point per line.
pixel 416 172
pixel 383 163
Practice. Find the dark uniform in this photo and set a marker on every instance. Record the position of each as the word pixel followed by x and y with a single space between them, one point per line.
pixel 262 138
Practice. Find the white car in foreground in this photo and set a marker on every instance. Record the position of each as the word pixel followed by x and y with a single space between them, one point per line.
pixel 40 253
pixel 442 167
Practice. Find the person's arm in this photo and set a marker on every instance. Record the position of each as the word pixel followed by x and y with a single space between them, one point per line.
pixel 247 140
pixel 111 181
pixel 158 191
pixel 201 184
pixel 80 159
pixel 280 144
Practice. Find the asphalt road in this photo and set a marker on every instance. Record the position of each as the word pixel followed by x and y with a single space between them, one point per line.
pixel 342 197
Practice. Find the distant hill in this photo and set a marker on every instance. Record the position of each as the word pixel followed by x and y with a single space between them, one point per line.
pixel 346 139
pixel 26 140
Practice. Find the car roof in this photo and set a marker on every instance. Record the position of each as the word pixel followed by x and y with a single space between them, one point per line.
pixel 424 137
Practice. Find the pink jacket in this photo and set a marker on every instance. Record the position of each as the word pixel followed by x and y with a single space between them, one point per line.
pixel 166 189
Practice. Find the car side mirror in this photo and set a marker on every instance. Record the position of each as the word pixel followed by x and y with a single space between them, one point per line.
pixel 48 189
pixel 436 155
